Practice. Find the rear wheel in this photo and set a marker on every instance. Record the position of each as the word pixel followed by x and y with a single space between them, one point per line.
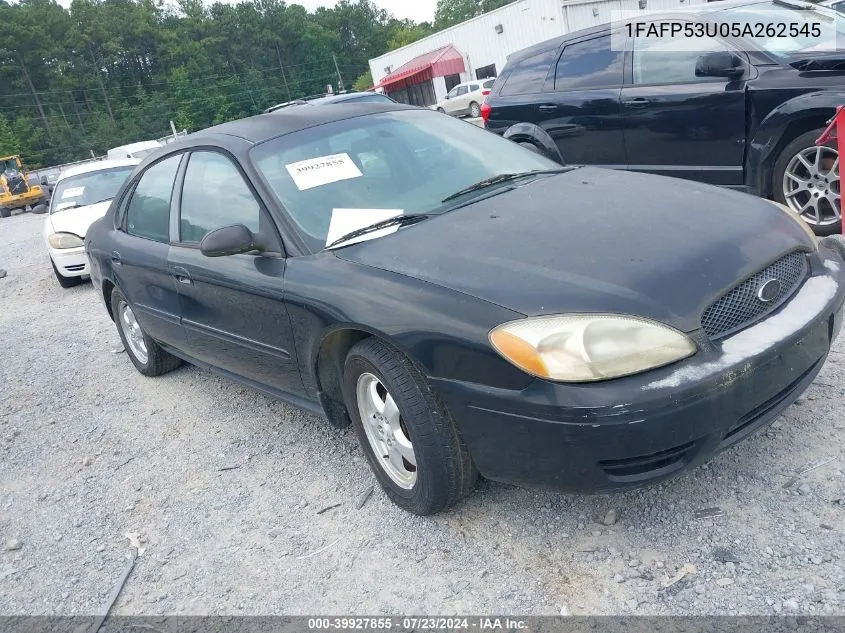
pixel 4 212
pixel 806 179
pixel 408 436
pixel 39 208
pixel 147 355
pixel 474 110
pixel 65 282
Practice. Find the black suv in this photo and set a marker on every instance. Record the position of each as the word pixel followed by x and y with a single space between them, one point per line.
pixel 729 112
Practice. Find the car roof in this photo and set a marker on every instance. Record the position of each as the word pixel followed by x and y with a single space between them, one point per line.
pixel 99 165
pixel 698 9
pixel 263 127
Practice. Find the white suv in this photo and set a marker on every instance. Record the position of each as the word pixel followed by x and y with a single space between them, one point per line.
pixel 466 98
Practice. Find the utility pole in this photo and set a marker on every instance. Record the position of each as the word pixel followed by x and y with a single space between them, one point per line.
pixel 339 78
pixel 282 68
pixel 100 80
pixel 35 96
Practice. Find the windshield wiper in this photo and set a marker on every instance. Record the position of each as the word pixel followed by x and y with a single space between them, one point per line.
pixel 495 180
pixel 397 220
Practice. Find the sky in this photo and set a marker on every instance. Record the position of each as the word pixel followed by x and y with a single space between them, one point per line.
pixel 417 10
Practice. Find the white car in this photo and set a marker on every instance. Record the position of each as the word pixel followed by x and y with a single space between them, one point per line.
pixel 466 98
pixel 81 196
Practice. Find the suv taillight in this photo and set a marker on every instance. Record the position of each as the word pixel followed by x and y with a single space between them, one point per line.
pixel 485 112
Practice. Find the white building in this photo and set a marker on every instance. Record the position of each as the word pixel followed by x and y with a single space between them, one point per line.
pixel 423 72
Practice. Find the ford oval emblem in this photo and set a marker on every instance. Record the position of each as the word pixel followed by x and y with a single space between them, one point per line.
pixel 769 291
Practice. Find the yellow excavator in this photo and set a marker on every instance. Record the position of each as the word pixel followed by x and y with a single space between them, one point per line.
pixel 16 192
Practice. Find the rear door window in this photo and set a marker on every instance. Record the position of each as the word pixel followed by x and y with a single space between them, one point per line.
pixel 589 64
pixel 528 75
pixel 148 212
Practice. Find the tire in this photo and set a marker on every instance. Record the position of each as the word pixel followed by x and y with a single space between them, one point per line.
pixel 39 209
pixel 443 472
pixel 65 282
pixel 822 194
pixel 4 212
pixel 441 110
pixel 157 361
pixel 474 110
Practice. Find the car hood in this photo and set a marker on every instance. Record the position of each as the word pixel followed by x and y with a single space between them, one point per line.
pixel 78 219
pixel 594 240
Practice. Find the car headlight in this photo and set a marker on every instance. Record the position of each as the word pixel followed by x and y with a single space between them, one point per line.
pixel 65 240
pixel 589 347
pixel 792 214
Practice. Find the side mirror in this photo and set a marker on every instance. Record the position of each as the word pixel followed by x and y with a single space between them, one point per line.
pixel 44 180
pixel 719 64
pixel 447 97
pixel 228 240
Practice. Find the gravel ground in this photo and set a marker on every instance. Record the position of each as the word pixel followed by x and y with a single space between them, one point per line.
pixel 231 495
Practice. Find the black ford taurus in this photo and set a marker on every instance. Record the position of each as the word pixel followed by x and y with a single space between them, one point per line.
pixel 468 305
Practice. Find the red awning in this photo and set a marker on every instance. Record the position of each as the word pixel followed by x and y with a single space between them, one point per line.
pixel 438 63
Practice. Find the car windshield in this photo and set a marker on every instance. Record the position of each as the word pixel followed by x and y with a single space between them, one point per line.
pixel 342 176
pixel 789 18
pixel 85 189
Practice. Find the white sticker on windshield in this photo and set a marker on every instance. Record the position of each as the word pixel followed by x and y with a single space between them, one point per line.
pixel 316 172
pixel 345 221
pixel 73 192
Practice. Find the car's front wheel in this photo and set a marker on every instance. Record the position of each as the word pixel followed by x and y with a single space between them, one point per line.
pixel 408 436
pixel 147 355
pixel 806 179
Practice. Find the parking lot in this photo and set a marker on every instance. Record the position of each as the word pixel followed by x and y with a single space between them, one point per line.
pixel 244 505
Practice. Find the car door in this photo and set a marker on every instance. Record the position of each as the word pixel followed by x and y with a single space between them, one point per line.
pixel 233 308
pixel 678 123
pixel 140 251
pixel 459 103
pixel 473 94
pixel 582 112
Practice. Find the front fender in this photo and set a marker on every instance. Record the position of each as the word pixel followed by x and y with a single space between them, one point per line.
pixel 530 133
pixel 766 138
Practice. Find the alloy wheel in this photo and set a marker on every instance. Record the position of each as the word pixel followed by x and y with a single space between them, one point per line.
pixel 811 185
pixel 386 431
pixel 132 332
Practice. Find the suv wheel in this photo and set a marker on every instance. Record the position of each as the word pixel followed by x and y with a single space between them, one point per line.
pixel 806 179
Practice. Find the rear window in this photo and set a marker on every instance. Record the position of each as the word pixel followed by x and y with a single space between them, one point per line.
pixel 489 83
pixel 589 64
pixel 528 75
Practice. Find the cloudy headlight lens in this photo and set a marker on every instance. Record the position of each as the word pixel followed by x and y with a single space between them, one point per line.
pixel 589 347
pixel 64 240
pixel 792 214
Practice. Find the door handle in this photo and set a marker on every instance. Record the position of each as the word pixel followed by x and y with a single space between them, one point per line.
pixel 638 102
pixel 116 259
pixel 548 107
pixel 181 275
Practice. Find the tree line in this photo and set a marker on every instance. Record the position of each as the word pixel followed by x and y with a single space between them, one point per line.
pixel 108 72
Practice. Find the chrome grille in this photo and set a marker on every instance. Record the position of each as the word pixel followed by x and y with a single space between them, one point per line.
pixel 740 307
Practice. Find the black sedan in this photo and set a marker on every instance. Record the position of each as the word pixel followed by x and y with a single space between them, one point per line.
pixel 468 305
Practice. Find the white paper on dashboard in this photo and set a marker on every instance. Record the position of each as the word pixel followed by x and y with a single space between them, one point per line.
pixel 324 170
pixel 345 221
pixel 73 192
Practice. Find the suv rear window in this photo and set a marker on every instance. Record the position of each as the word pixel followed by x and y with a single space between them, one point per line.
pixel 589 64
pixel 528 75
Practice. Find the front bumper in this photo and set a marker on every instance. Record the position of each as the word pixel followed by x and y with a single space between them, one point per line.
pixel 637 430
pixel 70 262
